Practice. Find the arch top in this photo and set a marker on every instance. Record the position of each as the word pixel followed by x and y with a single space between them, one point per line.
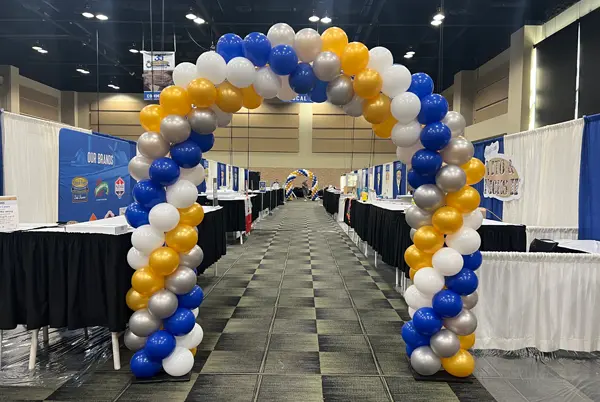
pixel 306 173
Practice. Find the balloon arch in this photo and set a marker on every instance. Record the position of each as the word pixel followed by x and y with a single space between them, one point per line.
pixel 326 67
pixel 314 183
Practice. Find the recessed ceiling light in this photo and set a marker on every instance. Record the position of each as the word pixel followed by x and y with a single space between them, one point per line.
pixel 42 51
pixel 199 20
pixel 326 20
pixel 314 18
pixel 132 50
pixel 436 23
pixel 83 71
pixel 191 16
pixel 87 14
pixel 38 48
pixel 101 17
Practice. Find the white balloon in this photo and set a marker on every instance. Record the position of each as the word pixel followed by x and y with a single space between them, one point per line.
pixel 455 122
pixel 286 93
pixel 184 73
pixel 405 155
pixel 212 66
pixel 429 281
pixel 223 118
pixel 163 217
pixel 281 34
pixel 240 72
pixel 416 299
pixel 465 241
pixel 406 107
pixel 182 194
pixel 136 259
pixel 146 239
pixel 196 174
pixel 191 339
pixel 406 135
pixel 267 84
pixel 474 220
pixel 411 312
pixel 307 44
pixel 380 59
pixel 396 80
pixel 196 311
pixel 447 261
pixel 179 362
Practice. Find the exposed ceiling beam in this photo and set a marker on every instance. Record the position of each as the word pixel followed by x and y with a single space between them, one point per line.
pixel 374 20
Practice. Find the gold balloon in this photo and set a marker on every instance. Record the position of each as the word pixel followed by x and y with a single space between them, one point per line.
pixel 194 350
pixel 475 170
pixel 150 117
pixel 164 261
pixel 417 259
pixel 465 200
pixel 428 240
pixel 461 364
pixel 229 98
pixel 175 100
pixel 136 301
pixel 145 281
pixel 377 110
pixel 367 83
pixel 251 100
pixel 411 274
pixel 192 215
pixel 447 220
pixel 182 239
pixel 354 58
pixel 384 130
pixel 467 341
pixel 202 92
pixel 334 40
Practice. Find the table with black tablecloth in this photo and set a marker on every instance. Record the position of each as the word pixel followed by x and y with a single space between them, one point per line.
pixel 331 201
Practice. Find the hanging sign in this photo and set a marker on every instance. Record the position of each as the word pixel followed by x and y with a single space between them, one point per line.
pixel 502 179
pixel 157 73
pixel 9 213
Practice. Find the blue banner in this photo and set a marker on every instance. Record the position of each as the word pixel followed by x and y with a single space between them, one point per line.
pixel 202 186
pixel 236 180
pixel 221 175
pixel 93 179
pixel 378 177
pixel 399 187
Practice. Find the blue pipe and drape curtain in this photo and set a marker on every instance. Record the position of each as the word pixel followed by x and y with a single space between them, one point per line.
pixel 494 207
pixel 589 180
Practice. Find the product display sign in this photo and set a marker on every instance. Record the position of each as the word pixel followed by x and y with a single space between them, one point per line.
pixel 157 73
pixel 399 187
pixel 502 179
pixel 262 186
pixel 378 179
pixel 236 181
pixel 221 175
pixel 9 213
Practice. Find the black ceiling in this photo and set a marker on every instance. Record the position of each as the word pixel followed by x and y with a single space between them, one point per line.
pixel 473 32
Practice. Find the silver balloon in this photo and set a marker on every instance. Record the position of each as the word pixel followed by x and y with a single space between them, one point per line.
pixel 134 342
pixel 162 304
pixel 340 90
pixel 445 343
pixel 451 178
pixel 142 323
pixel 181 281
pixel 455 122
pixel 470 301
pixel 355 107
pixel 192 258
pixel 327 66
pixel 203 121
pixel 424 361
pixel 429 197
pixel 153 145
pixel 139 167
pixel 412 234
pixel 465 323
pixel 416 217
pixel 458 151
pixel 175 128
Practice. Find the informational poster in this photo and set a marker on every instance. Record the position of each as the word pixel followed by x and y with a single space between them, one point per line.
pixel 262 186
pixel 399 185
pixel 502 180
pixel 378 179
pixel 235 181
pixel 9 213
pixel 202 186
pixel 157 73
pixel 221 175
pixel 229 176
pixel 93 179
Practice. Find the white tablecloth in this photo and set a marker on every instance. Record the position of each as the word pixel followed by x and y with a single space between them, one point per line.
pixel 550 233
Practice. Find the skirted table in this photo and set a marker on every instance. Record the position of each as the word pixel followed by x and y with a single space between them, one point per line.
pixel 331 200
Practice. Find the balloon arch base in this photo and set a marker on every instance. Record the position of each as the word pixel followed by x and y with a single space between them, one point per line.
pixel 440 376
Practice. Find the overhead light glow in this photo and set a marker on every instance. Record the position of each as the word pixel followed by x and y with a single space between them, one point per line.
pixel 83 71
pixel 313 18
pixel 190 16
pixel 132 50
pixel 43 51
pixel 87 14
pixel 199 20
pixel 113 86
pixel 411 52
pixel 408 55
pixel 38 48
pixel 436 23
pixel 101 17
pixel 439 16
pixel 326 20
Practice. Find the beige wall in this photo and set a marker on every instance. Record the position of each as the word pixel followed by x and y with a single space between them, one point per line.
pixel 39 100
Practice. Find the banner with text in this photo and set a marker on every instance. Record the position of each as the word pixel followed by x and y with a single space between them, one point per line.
pixel 157 73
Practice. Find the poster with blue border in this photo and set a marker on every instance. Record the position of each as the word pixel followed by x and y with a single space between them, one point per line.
pixel 221 174
pixel 378 179
pixel 236 181
pixel 202 186
pixel 399 181
pixel 93 178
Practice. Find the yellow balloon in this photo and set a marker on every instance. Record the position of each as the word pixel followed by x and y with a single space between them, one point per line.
pixel 367 83
pixel 334 40
pixel 175 100
pixel 192 215
pixel 417 259
pixel 229 98
pixel 384 130
pixel 164 261
pixel 136 301
pixel 465 200
pixel 145 281
pixel 150 117
pixel 428 240
pixel 182 239
pixel 447 220
pixel 202 92
pixel 467 341
pixel 461 364
pixel 194 350
pixel 377 110
pixel 251 100
pixel 475 170
pixel 411 274
pixel 354 58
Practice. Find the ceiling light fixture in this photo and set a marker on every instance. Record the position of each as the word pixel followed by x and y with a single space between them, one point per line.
pixel 36 47
pixel 326 20
pixel 190 16
pixel 87 14
pixel 314 17
pixel 101 17
pixel 113 86
pixel 199 20
pixel 42 51
pixel 411 52
pixel 409 55
pixel 436 23
pixel 134 51
pixel 82 71
pixel 439 16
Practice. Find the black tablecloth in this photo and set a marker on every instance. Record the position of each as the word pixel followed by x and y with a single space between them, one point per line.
pixel 212 238
pixel 280 196
pixel 331 202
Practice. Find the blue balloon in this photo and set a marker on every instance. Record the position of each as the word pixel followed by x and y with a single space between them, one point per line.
pixel 142 366
pixel 426 321
pixel 302 79
pixel 421 85
pixel 181 322
pixel 412 337
pixel 204 141
pixel 471 261
pixel 136 215
pixel 160 345
pixel 409 350
pixel 319 92
pixel 257 48
pixel 229 46
pixel 463 283
pixel 426 162
pixel 193 299
pixel 164 171
pixel 435 136
pixel 416 180
pixel 194 269
pixel 149 193
pixel 283 59
pixel 186 154
pixel 447 303
pixel 433 108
